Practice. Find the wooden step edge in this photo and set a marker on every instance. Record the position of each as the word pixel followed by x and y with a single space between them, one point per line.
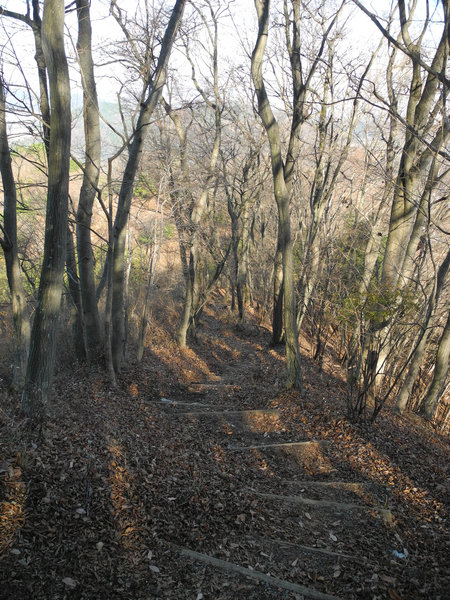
pixel 281 445
pixel 313 549
pixel 199 405
pixel 268 412
pixel 168 402
pixel 384 512
pixel 229 567
pixel 346 485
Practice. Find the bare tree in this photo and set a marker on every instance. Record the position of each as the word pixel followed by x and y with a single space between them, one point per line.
pixel 439 382
pixel 194 297
pixel 41 360
pixel 153 90
pixel 426 130
pixel 91 172
pixel 283 169
pixel 8 241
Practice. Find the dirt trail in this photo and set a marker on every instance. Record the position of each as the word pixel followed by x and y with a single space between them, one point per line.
pixel 200 478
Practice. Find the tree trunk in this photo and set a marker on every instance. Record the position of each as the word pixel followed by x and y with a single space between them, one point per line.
pixel 420 348
pixel 21 322
pixel 437 387
pixel 407 218
pixel 41 359
pixel 91 318
pixel 155 87
pixel 277 314
pixel 280 174
pixel 150 276
pixel 75 294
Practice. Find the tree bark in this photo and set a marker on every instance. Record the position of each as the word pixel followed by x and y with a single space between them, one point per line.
pixel 277 312
pixel 155 87
pixel 193 306
pixel 91 318
pixel 280 174
pixel 75 295
pixel 437 387
pixel 41 359
pixel 421 345
pixel 21 324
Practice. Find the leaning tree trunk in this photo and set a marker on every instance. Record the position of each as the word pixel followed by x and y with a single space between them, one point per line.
pixel 193 307
pixel 437 387
pixel 9 244
pixel 91 318
pixel 421 345
pixel 155 87
pixel 41 359
pixel 425 101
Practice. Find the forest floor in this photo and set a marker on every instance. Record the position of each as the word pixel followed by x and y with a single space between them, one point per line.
pixel 177 485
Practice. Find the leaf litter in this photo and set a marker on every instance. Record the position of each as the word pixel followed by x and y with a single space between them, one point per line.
pixel 117 484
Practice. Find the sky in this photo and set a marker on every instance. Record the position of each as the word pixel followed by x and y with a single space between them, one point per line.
pixel 361 35
pixel 242 27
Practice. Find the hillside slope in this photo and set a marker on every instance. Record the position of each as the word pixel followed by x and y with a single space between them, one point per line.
pixel 199 478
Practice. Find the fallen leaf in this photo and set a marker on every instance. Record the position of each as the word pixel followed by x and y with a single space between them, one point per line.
pixel 70 583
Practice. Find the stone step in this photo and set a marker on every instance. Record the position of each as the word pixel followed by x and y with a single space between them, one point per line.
pixel 365 492
pixel 270 580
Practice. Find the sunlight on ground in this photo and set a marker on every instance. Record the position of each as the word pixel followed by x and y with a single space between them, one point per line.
pixel 227 428
pixel 262 423
pixel 184 363
pixel 383 470
pixel 262 463
pixel 133 389
pixel 219 454
pixel 127 513
pixel 12 513
pixel 274 354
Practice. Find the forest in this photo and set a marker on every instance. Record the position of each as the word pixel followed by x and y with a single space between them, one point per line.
pixel 224 299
